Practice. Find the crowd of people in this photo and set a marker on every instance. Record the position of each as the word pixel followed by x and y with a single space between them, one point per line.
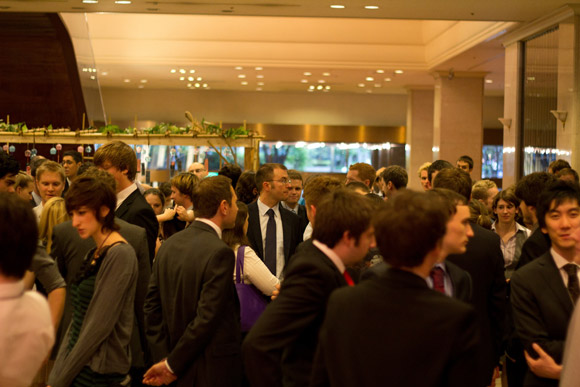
pixel 268 278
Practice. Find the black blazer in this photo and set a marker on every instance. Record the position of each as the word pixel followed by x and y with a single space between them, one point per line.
pixel 69 251
pixel 460 279
pixel 536 245
pixel 137 211
pixel 542 308
pixel 279 349
pixel 303 219
pixel 484 262
pixel 192 312
pixel 394 331
pixel 290 224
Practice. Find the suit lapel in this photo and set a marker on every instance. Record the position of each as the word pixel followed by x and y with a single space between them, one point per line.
pixel 256 230
pixel 124 207
pixel 286 230
pixel 327 261
pixel 554 282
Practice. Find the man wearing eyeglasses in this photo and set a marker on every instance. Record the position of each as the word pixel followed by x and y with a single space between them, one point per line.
pixel 273 231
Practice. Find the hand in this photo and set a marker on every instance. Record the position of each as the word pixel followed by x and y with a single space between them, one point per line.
pixel 168 214
pixel 544 366
pixel 159 375
pixel 276 292
pixel 183 214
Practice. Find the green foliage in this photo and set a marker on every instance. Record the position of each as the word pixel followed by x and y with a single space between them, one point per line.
pixel 15 128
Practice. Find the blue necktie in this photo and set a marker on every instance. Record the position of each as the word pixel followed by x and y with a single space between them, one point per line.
pixel 270 250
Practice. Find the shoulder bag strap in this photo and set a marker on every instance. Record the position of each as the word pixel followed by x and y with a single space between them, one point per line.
pixel 240 264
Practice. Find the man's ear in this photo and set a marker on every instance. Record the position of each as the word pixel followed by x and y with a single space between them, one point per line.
pixel 533 210
pixel 390 186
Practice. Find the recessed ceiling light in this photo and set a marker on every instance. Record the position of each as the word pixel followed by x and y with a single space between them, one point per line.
pixel 182 78
pixel 199 78
pixel 304 81
pixel 239 68
pixel 126 80
pixel 337 6
pixel 93 77
pixel 241 76
pixel 140 86
pixel 380 71
pixel 190 79
pixel 191 71
pixel 173 71
pixel 307 74
pixel 259 68
pixel 387 79
pixel 321 81
pixel 398 71
pixel 319 87
pixel 260 83
pixel 259 76
pixel 204 85
pixel 122 2
pixel 326 74
pixel 90 1
pixel 143 80
pixel 327 87
pixel 370 79
pixel 182 71
pixel 371 6
pixel 244 83
pixel 258 89
pixel 488 81
pixel 197 85
pixel 189 85
pixel 105 73
pixel 369 91
pixel 310 90
pixel 311 87
pixel 378 85
pixel 361 85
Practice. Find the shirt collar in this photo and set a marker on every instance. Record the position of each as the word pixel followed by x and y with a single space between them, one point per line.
pixel 217 229
pixel 286 206
pixel 11 289
pixel 519 227
pixel 559 260
pixel 262 208
pixel 330 254
pixel 124 194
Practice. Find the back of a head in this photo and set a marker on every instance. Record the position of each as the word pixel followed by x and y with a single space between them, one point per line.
pixel 22 180
pixel 529 187
pixel 18 235
pixel 557 165
pixel 409 226
pixel 365 171
pixel 568 174
pixel 8 165
pixel 358 186
pixel 53 213
pixel 232 171
pixel 340 211
pixel 266 173
pixel 318 187
pixel 397 175
pixel 479 190
pixel 209 194
pixel 118 155
pixel 36 162
pixel 437 166
pixel 553 195
pixel 236 236
pixel 478 214
pixel 455 180
pixel 101 175
pixel 246 188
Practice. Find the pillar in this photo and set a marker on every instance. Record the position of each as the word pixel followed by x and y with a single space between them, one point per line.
pixel 419 132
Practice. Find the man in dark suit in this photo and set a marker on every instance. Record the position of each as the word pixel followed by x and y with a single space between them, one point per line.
pixel 483 260
pixel 543 292
pixel 120 161
pixel 71 162
pixel 279 349
pixel 192 311
pixel 394 330
pixel 273 231
pixel 294 194
pixel 69 250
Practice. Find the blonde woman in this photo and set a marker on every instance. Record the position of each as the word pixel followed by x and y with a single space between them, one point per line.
pixel 53 214
pixel 424 177
pixel 24 186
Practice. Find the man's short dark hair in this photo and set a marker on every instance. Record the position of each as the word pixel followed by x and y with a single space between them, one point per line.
pixel 295 175
pixel 18 235
pixel 449 198
pixel 245 187
pixel 185 182
pixel 436 166
pixel 36 162
pixel 266 173
pixel 529 188
pixel 77 157
pixel 339 211
pixel 209 194
pixel 468 160
pixel 404 217
pixel 8 165
pixel 454 179
pixel 555 194
pixel 231 171
pixel 397 175
pixel 119 155
pixel 568 172
pixel 318 187
pixel 358 185
pixel 558 165
pixel 365 172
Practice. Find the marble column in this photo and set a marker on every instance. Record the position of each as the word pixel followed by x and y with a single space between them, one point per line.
pixel 419 132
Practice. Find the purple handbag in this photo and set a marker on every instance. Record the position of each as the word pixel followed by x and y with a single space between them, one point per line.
pixel 252 302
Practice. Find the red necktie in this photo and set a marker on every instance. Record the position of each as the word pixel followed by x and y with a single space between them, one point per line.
pixel 438 279
pixel 348 279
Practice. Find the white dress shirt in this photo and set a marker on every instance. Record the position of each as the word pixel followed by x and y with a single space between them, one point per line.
pixel 124 194
pixel 262 211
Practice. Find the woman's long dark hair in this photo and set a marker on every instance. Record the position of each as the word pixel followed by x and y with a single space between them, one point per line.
pixel 236 236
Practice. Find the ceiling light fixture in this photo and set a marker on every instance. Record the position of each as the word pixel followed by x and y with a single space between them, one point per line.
pixel 239 68
pixel 197 85
pixel 241 76
pixel 199 78
pixel 488 81
pixel 258 89
pixel 259 68
pixel 371 7
pixel 204 85
pixel 304 81
pixel 191 71
pixel 122 2
pixel 260 83
pixel 307 74
pixel 182 71
pixel 337 6
pixel 182 78
pixel 319 87
pixel 140 86
pixel 104 73
pixel 90 1
pixel 398 71
pixel 380 71
pixel 361 85
pixel 93 77
pixel 143 80
pixel 190 79
pixel 260 76
pixel 244 83
pixel 387 79
pixel 326 74
pixel 189 85
pixel 378 85
pixel 369 79
pixel 173 71
pixel 311 87
pixel 126 80
pixel 321 81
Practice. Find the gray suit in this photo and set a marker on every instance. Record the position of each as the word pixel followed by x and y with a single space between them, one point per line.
pixel 69 251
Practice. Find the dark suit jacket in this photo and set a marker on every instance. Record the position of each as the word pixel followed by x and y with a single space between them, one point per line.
pixel 192 312
pixel 484 262
pixel 460 279
pixel 542 308
pixel 303 219
pixel 69 251
pixel 137 211
pixel 290 224
pixel 536 245
pixel 279 349
pixel 394 331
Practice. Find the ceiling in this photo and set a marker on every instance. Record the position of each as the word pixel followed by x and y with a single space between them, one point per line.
pixel 290 46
